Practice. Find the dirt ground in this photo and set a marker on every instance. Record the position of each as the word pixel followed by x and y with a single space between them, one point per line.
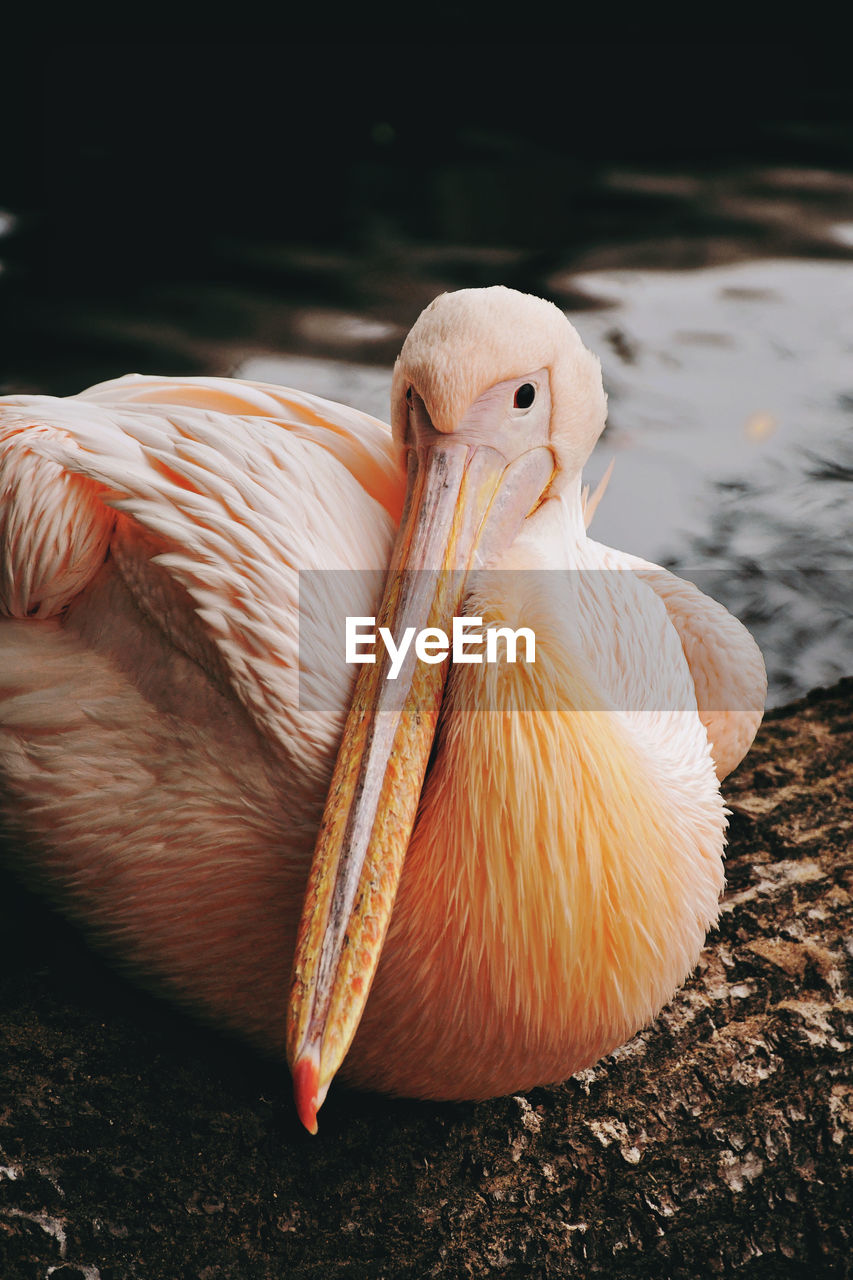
pixel 716 1143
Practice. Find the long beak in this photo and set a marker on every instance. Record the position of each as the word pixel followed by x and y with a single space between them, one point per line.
pixel 463 504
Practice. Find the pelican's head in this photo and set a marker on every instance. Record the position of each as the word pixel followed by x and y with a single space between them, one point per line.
pixel 497 404
pixel 502 368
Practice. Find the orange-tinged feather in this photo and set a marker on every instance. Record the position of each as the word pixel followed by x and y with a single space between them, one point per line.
pixel 555 893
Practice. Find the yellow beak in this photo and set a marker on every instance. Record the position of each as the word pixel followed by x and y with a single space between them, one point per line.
pixel 464 505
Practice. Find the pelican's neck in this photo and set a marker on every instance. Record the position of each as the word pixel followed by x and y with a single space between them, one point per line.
pixel 572 504
pixel 554 535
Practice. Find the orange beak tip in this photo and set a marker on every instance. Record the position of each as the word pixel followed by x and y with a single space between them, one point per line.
pixel 306 1088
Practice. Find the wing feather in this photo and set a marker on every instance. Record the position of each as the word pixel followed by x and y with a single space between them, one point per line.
pixel 211 496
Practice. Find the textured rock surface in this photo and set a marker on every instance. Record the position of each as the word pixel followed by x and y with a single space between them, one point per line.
pixel 718 1142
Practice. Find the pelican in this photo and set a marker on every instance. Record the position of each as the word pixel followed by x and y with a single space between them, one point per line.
pixel 466 881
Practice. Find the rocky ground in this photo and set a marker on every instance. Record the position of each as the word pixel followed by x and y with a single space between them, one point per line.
pixel 718 1142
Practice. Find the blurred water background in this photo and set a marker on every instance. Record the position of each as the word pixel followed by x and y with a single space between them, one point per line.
pixel 283 213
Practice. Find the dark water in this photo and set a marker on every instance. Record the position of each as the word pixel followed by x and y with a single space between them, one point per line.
pixel 702 244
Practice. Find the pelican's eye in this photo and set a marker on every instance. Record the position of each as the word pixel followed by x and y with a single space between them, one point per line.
pixel 410 399
pixel 524 396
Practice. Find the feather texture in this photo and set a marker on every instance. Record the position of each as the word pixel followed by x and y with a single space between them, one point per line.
pixel 166 744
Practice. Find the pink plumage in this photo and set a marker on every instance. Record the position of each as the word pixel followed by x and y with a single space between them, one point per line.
pixel 165 760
